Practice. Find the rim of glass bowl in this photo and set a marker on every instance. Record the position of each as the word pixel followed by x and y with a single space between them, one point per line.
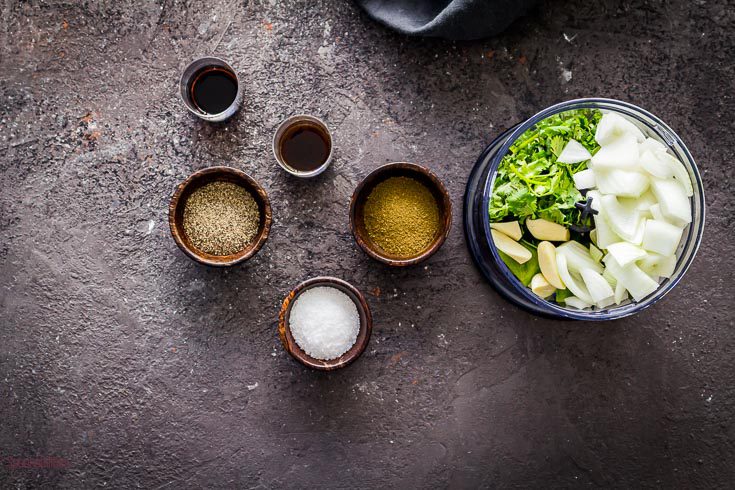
pixel 695 228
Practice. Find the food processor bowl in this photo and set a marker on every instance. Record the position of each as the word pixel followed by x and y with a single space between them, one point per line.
pixel 477 220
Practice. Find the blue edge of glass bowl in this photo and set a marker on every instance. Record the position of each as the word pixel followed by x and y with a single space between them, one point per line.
pixel 477 222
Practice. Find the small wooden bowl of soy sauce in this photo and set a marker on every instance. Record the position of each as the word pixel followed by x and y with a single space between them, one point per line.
pixel 210 89
pixel 303 146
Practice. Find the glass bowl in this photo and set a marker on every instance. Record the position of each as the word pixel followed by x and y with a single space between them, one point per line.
pixel 479 191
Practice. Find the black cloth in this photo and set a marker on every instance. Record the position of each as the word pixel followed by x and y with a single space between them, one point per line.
pixel 450 19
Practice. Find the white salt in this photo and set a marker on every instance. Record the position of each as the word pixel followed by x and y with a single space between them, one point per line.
pixel 324 322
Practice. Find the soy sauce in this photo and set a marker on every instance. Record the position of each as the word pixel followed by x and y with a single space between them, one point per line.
pixel 305 147
pixel 213 90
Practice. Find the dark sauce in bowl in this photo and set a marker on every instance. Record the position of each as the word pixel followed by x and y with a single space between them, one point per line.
pixel 305 147
pixel 213 90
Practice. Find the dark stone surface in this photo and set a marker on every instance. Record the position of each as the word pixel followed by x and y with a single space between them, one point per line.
pixel 141 369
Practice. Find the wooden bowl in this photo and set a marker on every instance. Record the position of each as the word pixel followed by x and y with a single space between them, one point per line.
pixel 205 176
pixel 363 190
pixel 363 336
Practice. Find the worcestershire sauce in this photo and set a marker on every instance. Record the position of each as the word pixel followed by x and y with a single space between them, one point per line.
pixel 213 90
pixel 305 147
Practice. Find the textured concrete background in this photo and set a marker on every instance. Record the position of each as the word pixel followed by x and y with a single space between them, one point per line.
pixel 140 368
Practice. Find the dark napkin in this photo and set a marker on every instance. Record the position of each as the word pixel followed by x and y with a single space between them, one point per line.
pixel 450 19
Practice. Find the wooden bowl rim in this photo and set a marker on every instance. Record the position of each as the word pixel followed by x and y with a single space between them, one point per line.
pixel 446 217
pixel 363 336
pixel 249 183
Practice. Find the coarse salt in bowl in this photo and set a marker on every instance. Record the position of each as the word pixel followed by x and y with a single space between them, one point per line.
pixel 325 323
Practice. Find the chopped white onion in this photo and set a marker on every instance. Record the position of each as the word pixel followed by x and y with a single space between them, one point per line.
pixel 680 172
pixel 672 199
pixel 577 303
pixel 650 144
pixel 625 253
pixel 632 278
pixel 571 283
pixel 656 265
pixel 656 212
pixel 621 294
pixel 595 253
pixel 574 152
pixel 597 286
pixel 578 257
pixel 624 183
pixel 651 163
pixel 624 218
pixel 584 179
pixel 646 200
pixel 621 154
pixel 661 237
pixel 612 126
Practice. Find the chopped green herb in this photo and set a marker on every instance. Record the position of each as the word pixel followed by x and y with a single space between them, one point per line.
pixel 530 183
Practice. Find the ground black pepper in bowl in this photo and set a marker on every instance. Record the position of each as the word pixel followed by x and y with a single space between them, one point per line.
pixel 221 218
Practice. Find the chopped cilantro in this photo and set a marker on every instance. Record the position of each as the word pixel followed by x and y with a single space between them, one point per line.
pixel 530 183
